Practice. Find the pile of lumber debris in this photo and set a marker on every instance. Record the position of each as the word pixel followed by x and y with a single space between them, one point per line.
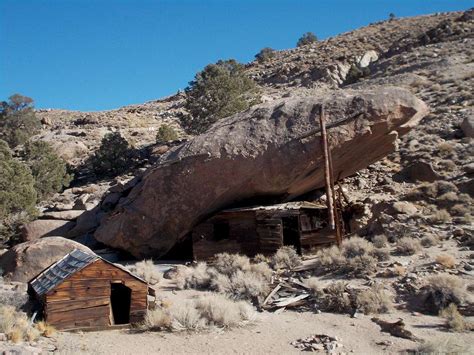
pixel 289 293
pixel 318 342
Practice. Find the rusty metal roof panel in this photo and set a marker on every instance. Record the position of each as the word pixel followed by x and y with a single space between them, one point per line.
pixel 60 270
pixel 279 207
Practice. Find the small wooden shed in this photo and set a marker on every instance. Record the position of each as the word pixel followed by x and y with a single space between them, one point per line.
pixel 263 229
pixel 86 291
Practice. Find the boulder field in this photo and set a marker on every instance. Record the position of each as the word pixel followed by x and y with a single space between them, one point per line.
pixel 270 153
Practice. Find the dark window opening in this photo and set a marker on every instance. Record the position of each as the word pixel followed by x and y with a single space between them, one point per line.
pixel 291 233
pixel 221 230
pixel 120 297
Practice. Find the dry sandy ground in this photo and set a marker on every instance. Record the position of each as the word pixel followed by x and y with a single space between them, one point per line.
pixel 271 333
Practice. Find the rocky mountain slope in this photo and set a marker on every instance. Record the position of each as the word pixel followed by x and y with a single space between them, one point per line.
pixel 431 56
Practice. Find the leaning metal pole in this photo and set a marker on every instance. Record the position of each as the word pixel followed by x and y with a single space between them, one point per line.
pixel 327 175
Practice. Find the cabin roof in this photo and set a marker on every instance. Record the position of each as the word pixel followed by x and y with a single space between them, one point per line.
pixel 71 263
pixel 297 205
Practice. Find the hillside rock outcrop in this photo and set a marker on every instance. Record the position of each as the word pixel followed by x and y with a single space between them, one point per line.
pixel 269 153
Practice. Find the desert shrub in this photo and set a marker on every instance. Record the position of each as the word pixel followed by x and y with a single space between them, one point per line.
pixel 265 54
pixel 441 216
pixel 32 334
pixel 186 317
pixel 307 38
pixel 228 264
pixel 454 320
pixel 286 257
pixel 374 300
pixel 429 241
pixel 355 74
pixel 113 157
pixel 157 319
pixel 146 270
pixel 198 277
pixel 220 311
pixel 399 270
pixel 18 121
pixel 49 170
pixel 459 210
pixel 263 270
pixel 408 246
pixel 381 254
pixel 165 134
pixel 45 329
pixel 447 346
pixel 442 290
pixel 247 286
pixel 16 325
pixel 446 260
pixel 17 192
pixel 356 246
pixel 314 287
pixel 352 259
pixel 380 241
pixel 260 258
pixel 336 298
pixel 218 91
pixel 430 191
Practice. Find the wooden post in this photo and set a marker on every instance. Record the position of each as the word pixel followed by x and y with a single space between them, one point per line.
pixel 327 175
pixel 336 206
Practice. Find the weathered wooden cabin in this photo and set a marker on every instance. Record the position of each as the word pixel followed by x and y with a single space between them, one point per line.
pixel 83 291
pixel 263 229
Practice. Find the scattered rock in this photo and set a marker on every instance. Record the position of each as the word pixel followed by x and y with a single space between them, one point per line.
pixel 467 126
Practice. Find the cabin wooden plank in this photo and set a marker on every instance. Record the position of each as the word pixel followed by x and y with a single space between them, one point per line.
pixel 78 314
pixel 77 294
pixel 61 306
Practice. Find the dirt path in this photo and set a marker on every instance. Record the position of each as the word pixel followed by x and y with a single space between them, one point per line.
pixel 270 334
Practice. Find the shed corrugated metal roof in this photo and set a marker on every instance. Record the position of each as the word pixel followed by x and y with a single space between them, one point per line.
pixel 73 262
pixel 297 205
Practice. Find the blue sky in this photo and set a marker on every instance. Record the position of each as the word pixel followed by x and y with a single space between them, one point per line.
pixel 103 54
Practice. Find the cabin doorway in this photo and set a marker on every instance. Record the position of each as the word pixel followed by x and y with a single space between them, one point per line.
pixel 120 299
pixel 291 233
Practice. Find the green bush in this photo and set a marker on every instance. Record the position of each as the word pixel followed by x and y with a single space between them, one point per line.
pixel 355 74
pixel 49 170
pixel 307 38
pixel 18 121
pixel 113 157
pixel 166 133
pixel 265 54
pixel 17 194
pixel 218 91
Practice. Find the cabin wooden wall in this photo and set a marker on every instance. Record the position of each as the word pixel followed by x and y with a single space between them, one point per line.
pixel 83 299
pixel 313 230
pixel 242 236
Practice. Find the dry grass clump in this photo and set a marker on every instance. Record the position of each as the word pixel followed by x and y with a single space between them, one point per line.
pixel 146 270
pixel 337 298
pixel 454 320
pixel 227 264
pixel 447 346
pixel 232 275
pixel 380 241
pixel 408 246
pixel 313 286
pixel 460 209
pixel 381 254
pixel 374 300
pixel 260 258
pixel 285 258
pixel 210 310
pixel 399 270
pixel 16 325
pixel 430 191
pixel 446 260
pixel 353 258
pixel 440 216
pixel 429 241
pixel 442 290
pixel 45 329
pixel 220 311
pixel 157 319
